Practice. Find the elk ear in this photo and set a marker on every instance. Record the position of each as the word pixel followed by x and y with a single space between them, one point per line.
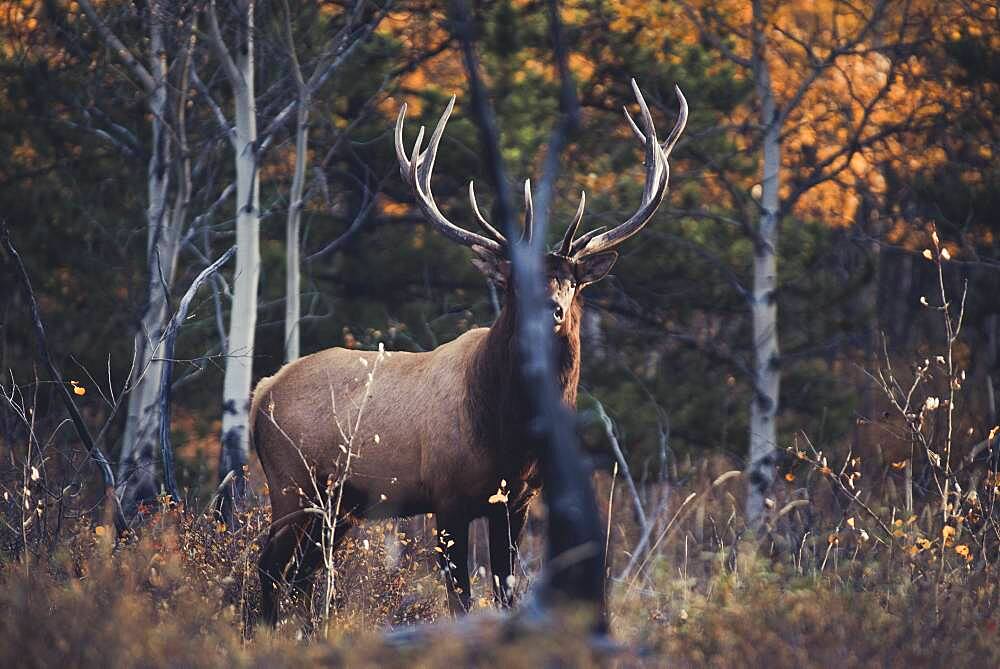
pixel 594 268
pixel 493 266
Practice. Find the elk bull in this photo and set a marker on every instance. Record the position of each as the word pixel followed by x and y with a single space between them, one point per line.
pixel 452 423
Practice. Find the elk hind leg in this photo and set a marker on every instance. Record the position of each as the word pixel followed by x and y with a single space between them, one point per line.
pixel 309 557
pixel 505 529
pixel 453 558
pixel 274 559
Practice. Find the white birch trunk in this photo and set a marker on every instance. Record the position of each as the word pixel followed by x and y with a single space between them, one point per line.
pixel 293 276
pixel 137 464
pixel 763 302
pixel 243 317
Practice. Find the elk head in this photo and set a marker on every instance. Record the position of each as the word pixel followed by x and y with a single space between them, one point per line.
pixel 578 261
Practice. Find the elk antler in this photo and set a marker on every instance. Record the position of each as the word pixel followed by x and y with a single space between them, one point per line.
pixel 657 176
pixel 417 170
pixel 567 240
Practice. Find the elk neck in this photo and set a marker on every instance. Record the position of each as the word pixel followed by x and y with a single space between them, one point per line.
pixel 497 401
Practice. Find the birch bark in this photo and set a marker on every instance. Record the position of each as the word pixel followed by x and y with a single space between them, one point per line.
pixel 763 300
pixel 243 317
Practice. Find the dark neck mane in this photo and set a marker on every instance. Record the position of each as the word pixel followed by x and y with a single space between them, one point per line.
pixel 496 401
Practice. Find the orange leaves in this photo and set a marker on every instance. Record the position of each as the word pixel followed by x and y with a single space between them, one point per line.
pixel 501 495
pixel 581 67
pixel 653 20
pixel 77 388
pixel 391 208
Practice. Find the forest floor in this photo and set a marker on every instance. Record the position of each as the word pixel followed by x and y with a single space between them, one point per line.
pixel 823 582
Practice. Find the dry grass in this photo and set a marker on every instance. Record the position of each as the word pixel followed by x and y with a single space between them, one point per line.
pixel 807 589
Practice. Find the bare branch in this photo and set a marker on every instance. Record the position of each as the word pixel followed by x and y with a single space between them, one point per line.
pixel 218 44
pixel 112 42
pixel 93 450
pixel 170 339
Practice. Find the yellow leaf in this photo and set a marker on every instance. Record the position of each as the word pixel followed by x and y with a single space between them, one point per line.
pixel 962 550
pixel 220 528
pixel 100 530
pixel 945 254
pixel 789 477
pixel 850 522
pixel 499 498
pixel 928 254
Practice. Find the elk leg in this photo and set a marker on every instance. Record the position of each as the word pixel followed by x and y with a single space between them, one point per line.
pixel 276 554
pixel 282 545
pixel 303 578
pixel 453 558
pixel 505 528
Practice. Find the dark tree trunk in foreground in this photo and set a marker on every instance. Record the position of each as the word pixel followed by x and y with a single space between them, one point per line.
pixel 574 572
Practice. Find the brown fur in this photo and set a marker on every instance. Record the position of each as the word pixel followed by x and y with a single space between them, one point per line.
pixel 450 423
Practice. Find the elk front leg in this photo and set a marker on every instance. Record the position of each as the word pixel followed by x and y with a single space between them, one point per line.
pixel 453 558
pixel 505 528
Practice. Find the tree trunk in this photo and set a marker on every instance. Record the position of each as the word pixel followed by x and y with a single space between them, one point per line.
pixel 763 301
pixel 137 463
pixel 293 277
pixel 243 317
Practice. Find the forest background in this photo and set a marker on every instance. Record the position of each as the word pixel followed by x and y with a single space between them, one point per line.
pixel 836 185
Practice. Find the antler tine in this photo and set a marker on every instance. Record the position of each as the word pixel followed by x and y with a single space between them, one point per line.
pixel 584 238
pixel 430 155
pixel 417 170
pixel 404 163
pixel 483 223
pixel 567 241
pixel 655 186
pixel 529 213
pixel 635 129
pixel 682 117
